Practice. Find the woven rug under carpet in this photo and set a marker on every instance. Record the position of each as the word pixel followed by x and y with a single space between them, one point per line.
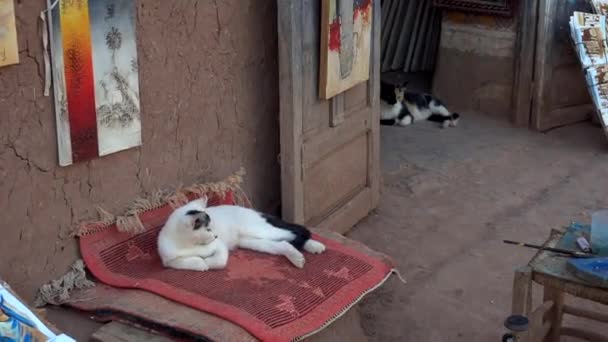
pixel 263 294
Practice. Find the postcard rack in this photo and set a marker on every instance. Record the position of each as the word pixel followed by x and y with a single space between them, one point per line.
pixel 589 87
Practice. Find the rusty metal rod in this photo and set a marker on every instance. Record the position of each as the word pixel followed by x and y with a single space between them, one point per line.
pixel 551 249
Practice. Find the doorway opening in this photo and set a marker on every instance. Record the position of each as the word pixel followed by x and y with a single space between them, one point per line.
pixel 409 43
pixel 462 52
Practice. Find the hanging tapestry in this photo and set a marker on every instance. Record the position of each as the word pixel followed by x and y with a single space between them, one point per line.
pixel 95 77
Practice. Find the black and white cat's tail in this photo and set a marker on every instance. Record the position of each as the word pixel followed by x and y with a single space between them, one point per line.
pixel 445 120
pixel 440 114
pixel 301 236
pixel 388 122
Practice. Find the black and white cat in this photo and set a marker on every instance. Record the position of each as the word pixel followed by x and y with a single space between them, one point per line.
pixel 402 108
pixel 196 237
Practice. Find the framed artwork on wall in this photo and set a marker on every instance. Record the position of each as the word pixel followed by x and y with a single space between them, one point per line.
pixel 495 7
pixel 346 34
pixel 95 77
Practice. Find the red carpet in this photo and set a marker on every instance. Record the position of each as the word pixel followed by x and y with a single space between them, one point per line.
pixel 264 294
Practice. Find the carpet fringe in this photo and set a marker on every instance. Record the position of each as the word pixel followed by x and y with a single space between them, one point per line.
pixel 398 274
pixel 349 306
pixel 130 222
pixel 57 292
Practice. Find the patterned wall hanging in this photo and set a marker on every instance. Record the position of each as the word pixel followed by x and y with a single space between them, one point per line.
pixel 95 77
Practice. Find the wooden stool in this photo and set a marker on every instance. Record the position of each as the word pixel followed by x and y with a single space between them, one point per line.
pixel 545 321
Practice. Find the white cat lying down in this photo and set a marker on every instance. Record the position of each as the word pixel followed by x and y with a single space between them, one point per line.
pixel 198 238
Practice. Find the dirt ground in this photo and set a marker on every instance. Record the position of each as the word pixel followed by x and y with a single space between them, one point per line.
pixel 449 198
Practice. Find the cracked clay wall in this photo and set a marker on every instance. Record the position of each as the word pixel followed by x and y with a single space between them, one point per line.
pixel 209 97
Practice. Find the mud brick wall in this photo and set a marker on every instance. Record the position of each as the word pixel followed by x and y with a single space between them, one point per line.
pixel 209 98
pixel 475 63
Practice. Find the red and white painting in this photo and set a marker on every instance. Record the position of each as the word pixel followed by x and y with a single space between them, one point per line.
pixel 346 32
pixel 95 76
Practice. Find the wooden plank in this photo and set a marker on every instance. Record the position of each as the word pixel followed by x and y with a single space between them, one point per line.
pixel 595 294
pixel 337 110
pixel 374 102
pixel 357 97
pixel 291 107
pixel 335 177
pixel 584 335
pixel 556 314
pixel 565 116
pixel 348 214
pixel 322 144
pixel 542 69
pixel 592 315
pixel 560 97
pixel 118 332
pixel 316 113
pixel 522 291
pixel 524 64
pixel 538 329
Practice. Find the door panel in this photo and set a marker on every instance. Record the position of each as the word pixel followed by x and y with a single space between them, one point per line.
pixel 329 148
pixel 341 174
pixel 356 98
pixel 560 95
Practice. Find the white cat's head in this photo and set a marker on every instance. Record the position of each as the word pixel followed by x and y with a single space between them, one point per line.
pixel 400 91
pixel 190 222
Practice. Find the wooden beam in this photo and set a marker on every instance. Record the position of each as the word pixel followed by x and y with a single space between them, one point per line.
pixel 337 110
pixel 542 71
pixel 583 334
pixel 522 291
pixel 556 314
pixel 291 106
pixel 592 315
pixel 118 332
pixel 524 63
pixel 374 103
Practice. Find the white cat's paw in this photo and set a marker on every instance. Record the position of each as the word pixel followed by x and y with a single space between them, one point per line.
pixel 296 258
pixel 445 124
pixel 454 123
pixel 314 247
pixel 192 263
pixel 200 265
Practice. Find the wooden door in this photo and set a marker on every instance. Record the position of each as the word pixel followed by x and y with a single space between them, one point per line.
pixel 560 95
pixel 329 148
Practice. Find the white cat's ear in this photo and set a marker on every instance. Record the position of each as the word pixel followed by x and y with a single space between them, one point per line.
pixel 202 201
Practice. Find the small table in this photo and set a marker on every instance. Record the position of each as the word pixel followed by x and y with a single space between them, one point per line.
pixel 549 270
